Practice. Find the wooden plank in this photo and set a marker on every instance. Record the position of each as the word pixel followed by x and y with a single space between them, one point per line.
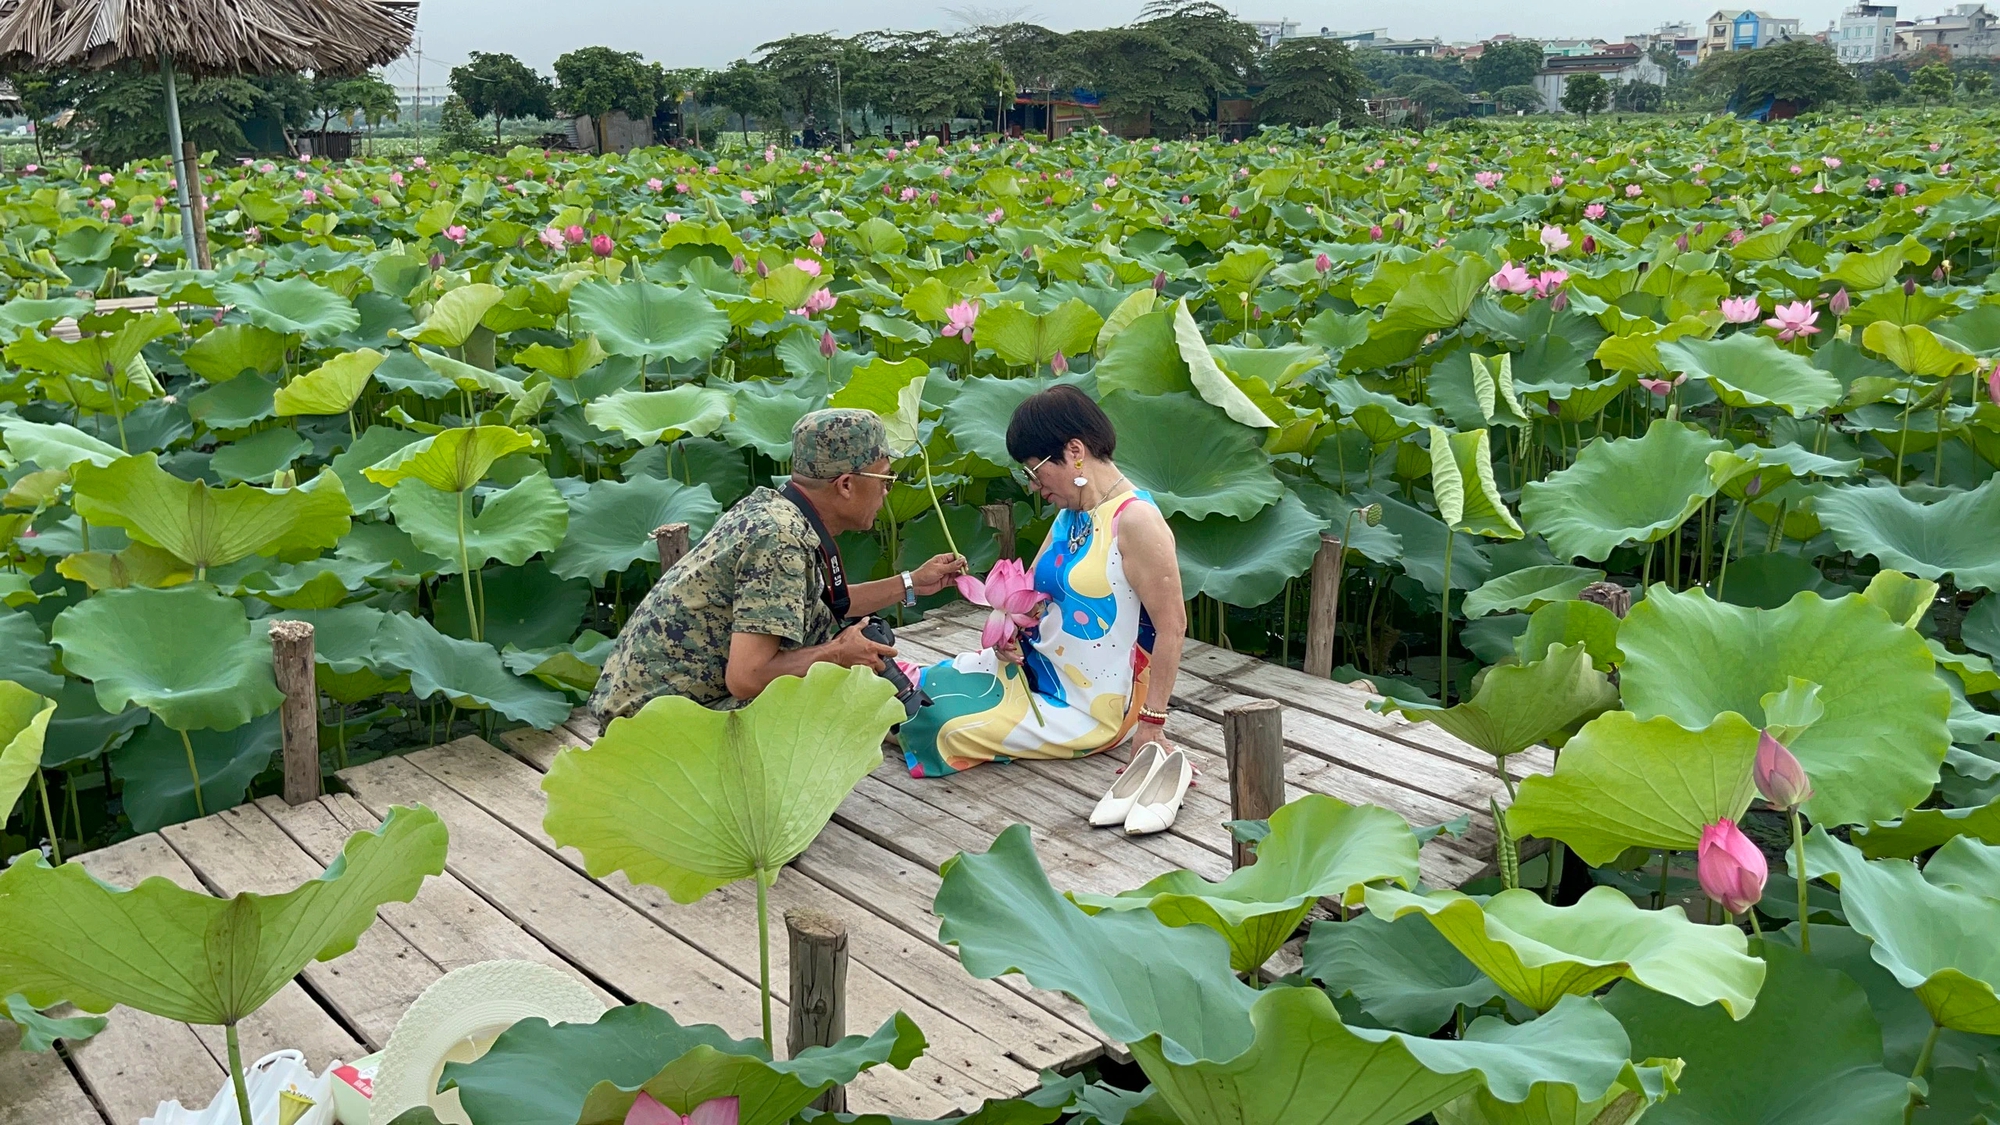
pixel 962 1067
pixel 539 748
pixel 36 1088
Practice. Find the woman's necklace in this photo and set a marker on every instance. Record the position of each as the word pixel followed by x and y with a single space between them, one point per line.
pixel 1083 524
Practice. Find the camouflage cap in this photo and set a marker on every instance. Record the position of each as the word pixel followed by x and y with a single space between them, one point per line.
pixel 830 443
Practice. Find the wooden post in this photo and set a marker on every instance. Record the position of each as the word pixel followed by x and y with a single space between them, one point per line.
pixel 1610 595
pixel 1323 606
pixel 1000 517
pixel 818 949
pixel 672 540
pixel 1253 742
pixel 198 205
pixel 292 664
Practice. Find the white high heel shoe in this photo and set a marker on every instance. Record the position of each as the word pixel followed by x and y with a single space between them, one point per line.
pixel 1117 801
pixel 1159 801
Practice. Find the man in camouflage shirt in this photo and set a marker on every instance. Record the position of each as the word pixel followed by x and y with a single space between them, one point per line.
pixel 749 603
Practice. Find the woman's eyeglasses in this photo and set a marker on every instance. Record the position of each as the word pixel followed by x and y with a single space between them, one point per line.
pixel 1024 475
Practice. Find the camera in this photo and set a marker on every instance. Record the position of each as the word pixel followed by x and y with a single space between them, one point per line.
pixel 908 694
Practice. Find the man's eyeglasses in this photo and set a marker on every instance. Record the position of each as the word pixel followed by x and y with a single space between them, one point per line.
pixel 893 478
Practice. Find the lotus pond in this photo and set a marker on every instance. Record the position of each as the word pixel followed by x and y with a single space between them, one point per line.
pixel 1744 373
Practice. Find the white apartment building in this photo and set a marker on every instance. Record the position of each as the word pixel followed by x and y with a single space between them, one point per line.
pixel 1866 33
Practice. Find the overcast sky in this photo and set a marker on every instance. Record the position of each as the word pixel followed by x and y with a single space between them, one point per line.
pixel 711 34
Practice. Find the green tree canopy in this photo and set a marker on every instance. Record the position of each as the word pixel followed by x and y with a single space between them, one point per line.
pixel 1585 94
pixel 1311 82
pixel 1639 97
pixel 1527 99
pixel 1800 70
pixel 1932 83
pixel 366 97
pixel 501 86
pixel 1884 87
pixel 743 90
pixel 802 68
pixel 1441 100
pixel 594 81
pixel 1513 63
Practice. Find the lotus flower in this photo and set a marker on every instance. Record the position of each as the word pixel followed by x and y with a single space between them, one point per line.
pixel 1662 387
pixel 827 344
pixel 647 1110
pixel 1375 233
pixel 1993 385
pixel 1594 211
pixel 749 197
pixel 1160 282
pixel 817 301
pixel 1010 593
pixel 1555 240
pixel 1486 179
pixel 960 318
pixel 1730 868
pixel 1589 244
pixel 1740 310
pixel 1511 279
pixel 1322 263
pixel 810 266
pixel 1634 191
pixel 1781 780
pixel 656 184
pixel 602 246
pixel 1548 282
pixel 1793 320
pixel 456 233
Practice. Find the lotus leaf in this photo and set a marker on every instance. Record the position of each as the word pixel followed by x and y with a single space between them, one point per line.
pixel 469 673
pixel 524 607
pixel 1920 830
pixel 511 525
pixel 39 1032
pixel 1902 597
pixel 562 363
pixel 1211 383
pixel 1519 705
pixel 1810 1054
pixel 1190 457
pixel 24 726
pixel 1247 562
pixel 1468 498
pixel 1748 370
pixel 1143 357
pixel 650 321
pixel 1318 847
pixel 1530 589
pixel 591 1073
pixel 1874 752
pixel 1622 490
pixel 612 526
pixel 54 445
pixel 106 356
pixel 260 457
pixel 159 783
pixel 1540 953
pixel 1917 351
pixel 764 421
pixel 451 461
pixel 1023 339
pixel 25 655
pixel 294 306
pixel 205 526
pixel 1567 623
pixel 1929 540
pixel 455 316
pixel 665 416
pixel 1623 782
pixel 330 388
pixel 1637 1089
pixel 188 654
pixel 1403 973
pixel 1423 538
pixel 232 349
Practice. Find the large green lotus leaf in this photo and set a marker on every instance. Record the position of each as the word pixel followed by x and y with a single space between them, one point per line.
pixel 1305 1067
pixel 469 377
pixel 1538 953
pixel 188 654
pixel 54 445
pixel 260 457
pixel 159 790
pixel 764 418
pixel 668 416
pixel 611 526
pixel 455 316
pixel 99 356
pixel 1000 911
pixel 24 725
pixel 1436 295
pixel 562 363
pixel 1637 1089
pixel 511 525
pixel 1936 939
pixel 1247 562
pixel 1210 381
pixel 689 799
pixel 1143 357
pixel 294 307
pixel 238 404
pixel 1404 974
pixel 375 445
pixel 1468 498
pixel 205 526
pixel 40 1031
pixel 330 388
pixel 1981 628
pixel 1191 457
pixel 1747 370
pixel 81 729
pixel 650 321
pixel 1623 782
pixel 1622 490
pixel 469 673
pixel 185 955
pixel 232 349
pixel 1903 598
pixel 1530 588
pixel 1519 705
pixel 524 607
pixel 978 414
pixel 31 312
pixel 590 1073
pixel 1917 351
pixel 25 655
pixel 1905 1023
pixel 1920 830
pixel 1811 1054
pixel 452 461
pixel 1023 339
pixel 1952 536
pixel 1568 623
pixel 1876 750
pixel 1318 848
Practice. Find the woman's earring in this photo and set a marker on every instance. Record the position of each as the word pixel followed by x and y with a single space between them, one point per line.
pixel 1079 480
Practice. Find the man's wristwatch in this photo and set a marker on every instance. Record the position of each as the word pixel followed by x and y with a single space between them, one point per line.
pixel 909 590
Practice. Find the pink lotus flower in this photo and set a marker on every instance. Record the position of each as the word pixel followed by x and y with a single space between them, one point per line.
pixel 1589 244
pixel 1322 263
pixel 680 188
pixel 1661 388
pixel 1740 310
pixel 1874 183
pixel 817 301
pixel 574 234
pixel 1594 211
pixel 1009 591
pixel 670 218
pixel 995 215
pixel 309 195
pixel 1729 867
pixel 1511 279
pixel 810 266
pixel 1796 169
pixel 747 196
pixel 959 319
pixel 105 177
pixel 1431 167
pixel 1839 303
pixel 1548 282
pixel 1486 179
pixel 1634 191
pixel 1375 233
pixel 647 1110
pixel 456 234
pixel 1830 161
pixel 1902 189
pixel 817 241
pixel 1795 319
pixel 1555 240
pixel 602 246
pixel 1781 780
pixel 552 237
pixel 396 178
pixel 1556 180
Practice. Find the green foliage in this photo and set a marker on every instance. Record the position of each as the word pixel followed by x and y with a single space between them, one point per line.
pixel 1585 94
pixel 500 86
pixel 1310 82
pixel 1933 83
pixel 1802 71
pixel 1514 62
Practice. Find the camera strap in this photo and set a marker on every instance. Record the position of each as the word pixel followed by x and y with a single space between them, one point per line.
pixel 829 552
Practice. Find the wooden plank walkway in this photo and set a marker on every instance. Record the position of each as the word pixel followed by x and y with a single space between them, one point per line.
pixel 509 892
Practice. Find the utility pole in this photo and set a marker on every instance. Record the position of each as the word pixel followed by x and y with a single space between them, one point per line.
pixel 417 101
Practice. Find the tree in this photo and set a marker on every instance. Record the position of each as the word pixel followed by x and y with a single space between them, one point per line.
pixel 1977 82
pixel 1383 68
pixel 120 116
pixel 743 90
pixel 502 86
pixel 1139 72
pixel 366 97
pixel 1525 99
pixel 1932 83
pixel 458 128
pixel 1802 71
pixel 1884 87
pixel 1442 101
pixel 1513 63
pixel 1311 82
pixel 676 86
pixel 594 81
pixel 802 68
pixel 1585 94
pixel 1639 97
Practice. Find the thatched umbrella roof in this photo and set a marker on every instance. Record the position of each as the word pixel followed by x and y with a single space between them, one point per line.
pixel 206 37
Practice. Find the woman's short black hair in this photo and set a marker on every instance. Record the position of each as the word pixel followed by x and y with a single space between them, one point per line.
pixel 1047 420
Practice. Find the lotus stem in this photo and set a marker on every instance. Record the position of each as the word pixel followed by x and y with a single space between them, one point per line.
pixel 193 772
pixel 763 954
pixel 1666 868
pixel 1754 927
pixel 1444 636
pixel 236 1072
pixel 1924 1055
pixel 1903 441
pixel 1735 522
pixel 1799 845
pixel 1028 686
pixel 935 506
pixel 48 818
pixel 465 573
pixel 1557 854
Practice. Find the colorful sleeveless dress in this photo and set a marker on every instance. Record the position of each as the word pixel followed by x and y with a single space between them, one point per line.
pixel 1086 660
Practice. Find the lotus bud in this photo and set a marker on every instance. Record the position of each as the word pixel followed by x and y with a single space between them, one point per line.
pixel 1755 486
pixel 1993 385
pixel 437 261
pixel 573 234
pixel 1375 233
pixel 1558 303
pixel 1840 302
pixel 1909 287
pixel 1681 243
pixel 817 241
pixel 1589 244
pixel 969 255
pixel 602 246
pixel 1372 515
pixel 1322 263
pixel 1767 220
pixel 1160 286
pixel 827 344
pixel 737 264
pixel 1781 780
pixel 1729 867
pixel 1698 228
pixel 763 268
pixel 1058 364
